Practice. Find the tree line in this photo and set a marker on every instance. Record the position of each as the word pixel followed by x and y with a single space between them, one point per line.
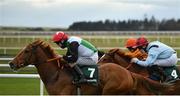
pixel 127 25
pixel 10 28
pixel 146 24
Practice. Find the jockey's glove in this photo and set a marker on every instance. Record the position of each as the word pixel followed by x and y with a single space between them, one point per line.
pixel 65 58
pixel 134 60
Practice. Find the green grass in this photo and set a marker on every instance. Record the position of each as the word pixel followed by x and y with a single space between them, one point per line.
pixel 19 86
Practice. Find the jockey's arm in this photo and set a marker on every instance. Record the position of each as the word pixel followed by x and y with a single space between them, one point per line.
pixel 72 53
pixel 152 56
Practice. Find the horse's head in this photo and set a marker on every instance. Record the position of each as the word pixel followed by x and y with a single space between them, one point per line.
pixel 114 56
pixel 31 55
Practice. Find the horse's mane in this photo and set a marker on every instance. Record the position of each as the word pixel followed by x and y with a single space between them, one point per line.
pixel 45 46
pixel 120 52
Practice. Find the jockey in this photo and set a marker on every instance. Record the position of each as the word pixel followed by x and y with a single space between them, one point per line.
pixel 159 54
pixel 79 52
pixel 131 44
pixel 133 50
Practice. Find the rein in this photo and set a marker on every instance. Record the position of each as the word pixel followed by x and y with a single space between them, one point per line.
pixel 33 50
pixel 57 59
pixel 129 66
pixel 111 55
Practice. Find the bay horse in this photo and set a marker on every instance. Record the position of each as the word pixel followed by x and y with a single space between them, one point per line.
pixel 57 77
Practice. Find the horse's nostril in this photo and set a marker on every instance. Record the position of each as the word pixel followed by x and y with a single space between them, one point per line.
pixel 11 65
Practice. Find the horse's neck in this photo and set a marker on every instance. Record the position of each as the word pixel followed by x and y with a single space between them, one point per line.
pixel 48 71
pixel 121 60
pixel 133 68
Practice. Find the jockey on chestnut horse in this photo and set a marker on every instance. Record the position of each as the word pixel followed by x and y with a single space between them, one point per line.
pixel 170 73
pixel 161 58
pixel 81 55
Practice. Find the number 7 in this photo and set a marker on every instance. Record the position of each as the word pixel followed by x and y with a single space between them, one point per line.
pixel 92 71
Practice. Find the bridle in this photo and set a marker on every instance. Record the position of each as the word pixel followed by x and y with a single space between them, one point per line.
pixel 28 57
pixel 33 51
pixel 112 59
pixel 129 65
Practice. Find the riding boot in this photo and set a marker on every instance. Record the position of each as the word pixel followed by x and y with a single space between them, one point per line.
pixel 154 73
pixel 81 75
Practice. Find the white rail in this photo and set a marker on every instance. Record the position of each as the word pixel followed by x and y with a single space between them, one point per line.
pixel 7 65
pixel 25 76
pixel 19 75
pixel 22 76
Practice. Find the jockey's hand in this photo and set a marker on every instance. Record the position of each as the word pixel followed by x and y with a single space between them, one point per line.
pixel 134 60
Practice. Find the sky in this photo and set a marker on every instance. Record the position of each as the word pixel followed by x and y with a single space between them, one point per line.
pixel 62 13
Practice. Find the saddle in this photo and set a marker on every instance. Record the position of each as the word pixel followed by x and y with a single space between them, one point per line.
pixel 164 74
pixel 89 72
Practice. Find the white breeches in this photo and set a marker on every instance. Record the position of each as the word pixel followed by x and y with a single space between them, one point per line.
pixel 171 61
pixel 88 60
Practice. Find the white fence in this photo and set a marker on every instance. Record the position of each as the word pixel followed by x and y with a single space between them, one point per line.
pixel 21 75
pixel 25 76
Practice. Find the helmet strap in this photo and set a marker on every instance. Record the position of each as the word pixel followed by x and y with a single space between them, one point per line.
pixel 64 44
pixel 145 48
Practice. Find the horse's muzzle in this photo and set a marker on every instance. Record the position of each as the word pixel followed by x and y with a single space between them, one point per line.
pixel 12 66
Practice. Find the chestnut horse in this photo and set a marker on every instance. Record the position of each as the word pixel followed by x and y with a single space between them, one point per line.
pixel 118 56
pixel 57 77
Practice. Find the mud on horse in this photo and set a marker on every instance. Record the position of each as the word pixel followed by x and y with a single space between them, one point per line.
pixel 57 77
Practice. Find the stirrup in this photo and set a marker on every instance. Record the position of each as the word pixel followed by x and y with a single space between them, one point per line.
pixel 80 81
pixel 84 80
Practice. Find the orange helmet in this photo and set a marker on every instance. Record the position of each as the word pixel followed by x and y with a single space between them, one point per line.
pixel 59 36
pixel 131 42
pixel 141 41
